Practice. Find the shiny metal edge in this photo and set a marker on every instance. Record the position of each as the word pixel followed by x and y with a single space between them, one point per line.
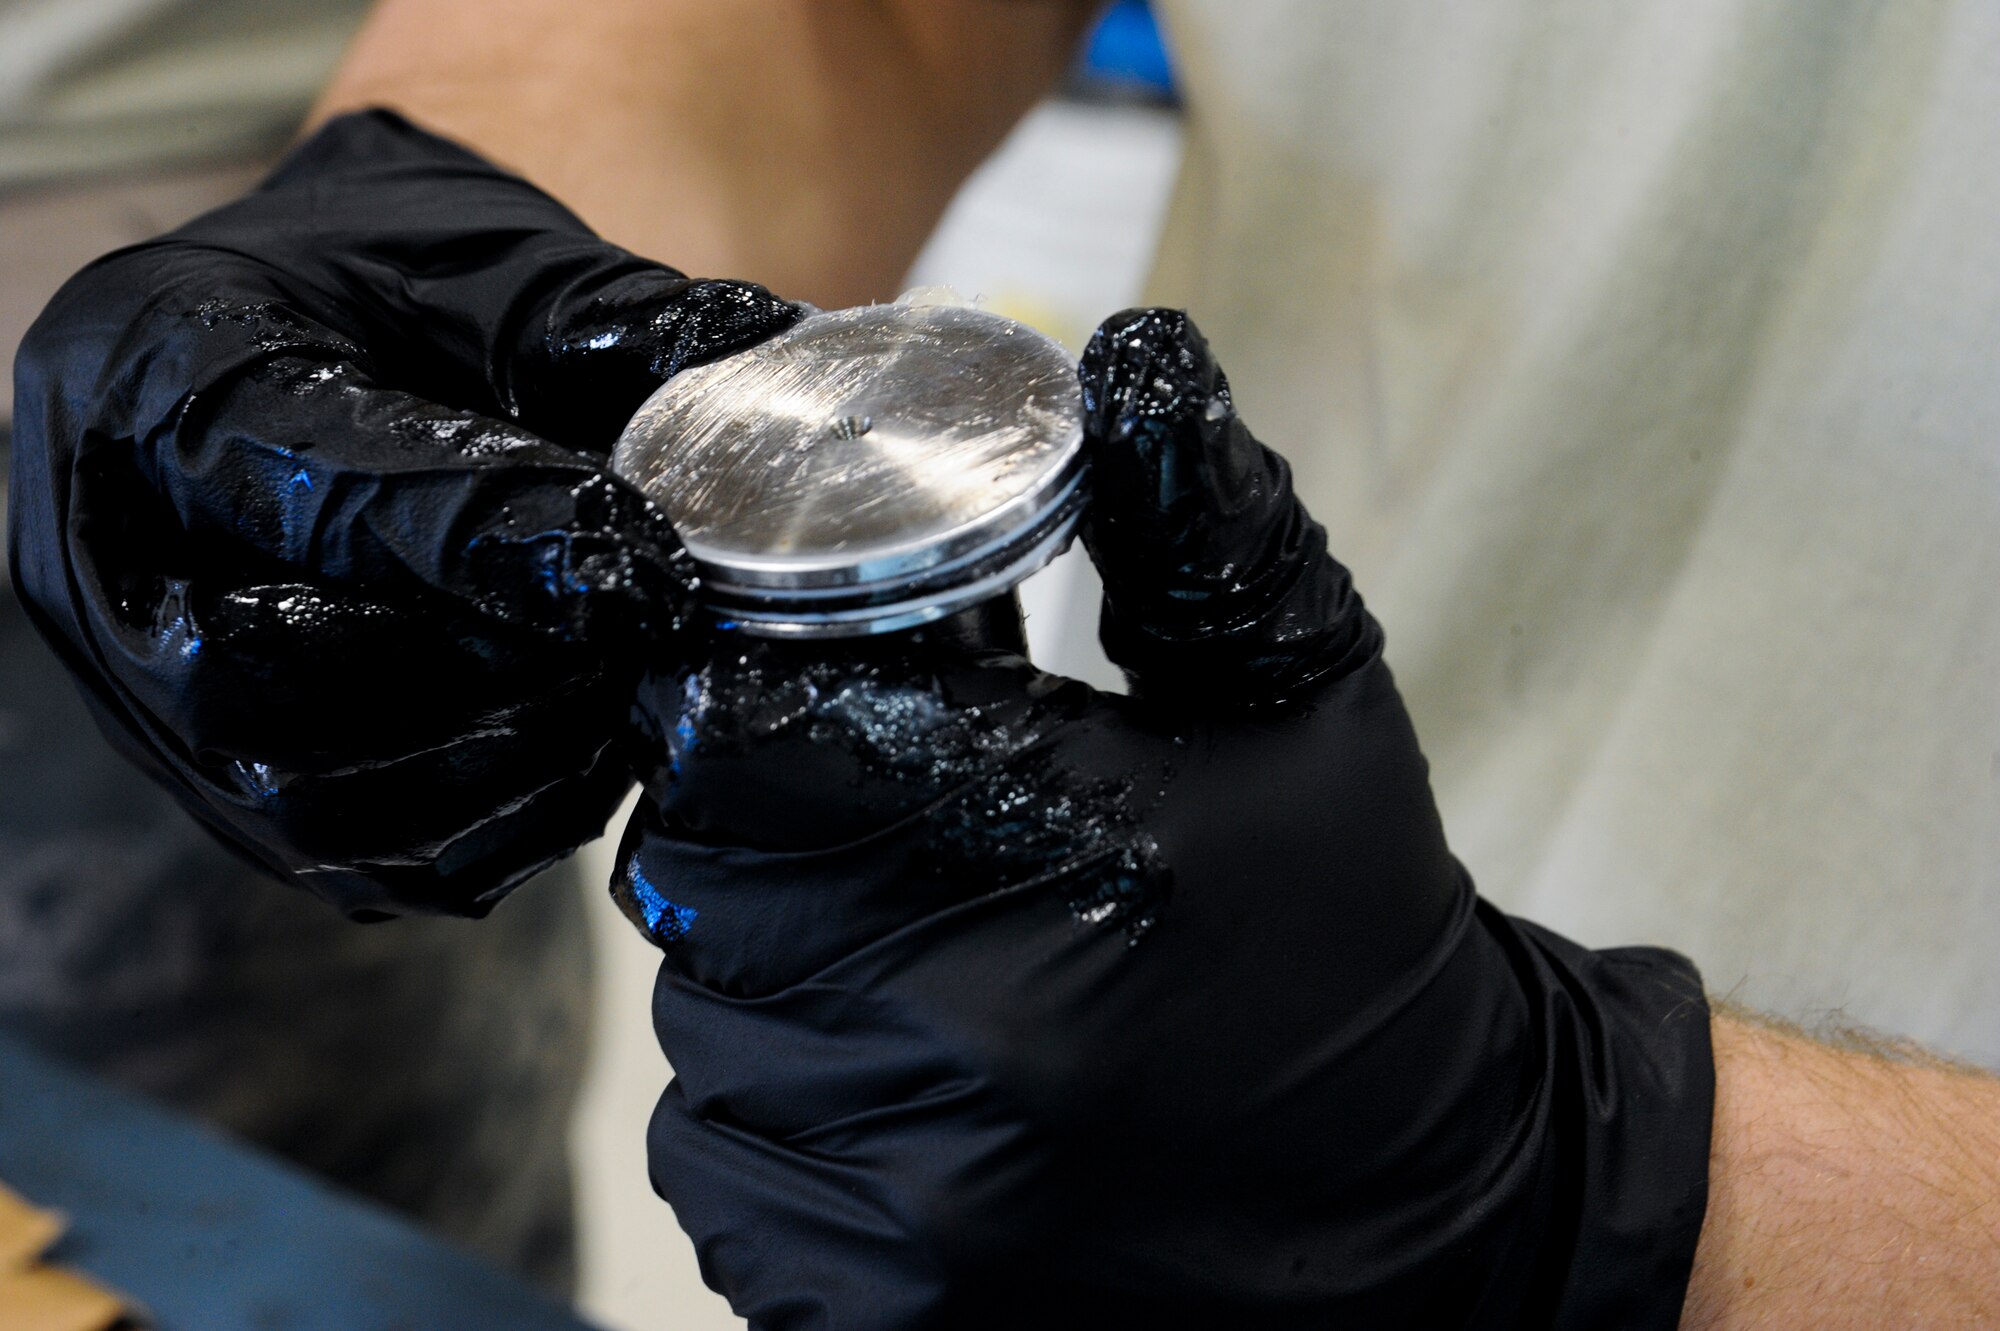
pixel 790 621
pixel 896 582
pixel 920 556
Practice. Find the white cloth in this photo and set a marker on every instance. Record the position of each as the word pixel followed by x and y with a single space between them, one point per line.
pixel 1643 360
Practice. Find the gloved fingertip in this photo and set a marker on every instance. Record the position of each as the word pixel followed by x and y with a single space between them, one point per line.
pixel 712 318
pixel 614 572
pixel 1214 574
pixel 1184 498
pixel 605 345
pixel 1148 364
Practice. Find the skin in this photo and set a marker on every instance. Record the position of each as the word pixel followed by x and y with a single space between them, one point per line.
pixel 656 120
pixel 1852 1184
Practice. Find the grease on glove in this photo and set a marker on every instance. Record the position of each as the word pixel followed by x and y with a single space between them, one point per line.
pixel 996 1002
pixel 311 496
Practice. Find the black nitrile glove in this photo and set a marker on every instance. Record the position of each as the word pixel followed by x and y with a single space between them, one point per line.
pixel 995 1002
pixel 311 496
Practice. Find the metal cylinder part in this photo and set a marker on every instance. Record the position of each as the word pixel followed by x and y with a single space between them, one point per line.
pixel 867 470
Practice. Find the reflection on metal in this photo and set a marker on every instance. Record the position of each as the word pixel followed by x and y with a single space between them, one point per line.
pixel 867 470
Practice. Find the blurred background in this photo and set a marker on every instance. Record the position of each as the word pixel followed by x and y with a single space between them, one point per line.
pixel 1639 357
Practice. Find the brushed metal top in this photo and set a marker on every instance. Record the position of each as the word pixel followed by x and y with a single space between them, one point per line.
pixel 862 446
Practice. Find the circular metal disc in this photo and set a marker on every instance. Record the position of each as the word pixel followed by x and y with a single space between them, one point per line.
pixel 868 468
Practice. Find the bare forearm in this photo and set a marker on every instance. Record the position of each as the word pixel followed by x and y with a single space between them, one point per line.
pixel 1847 1188
pixel 806 144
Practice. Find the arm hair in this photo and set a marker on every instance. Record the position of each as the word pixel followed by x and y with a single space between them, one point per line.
pixel 1853 1182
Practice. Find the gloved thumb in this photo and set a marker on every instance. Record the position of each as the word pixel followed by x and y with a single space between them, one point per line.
pixel 1218 587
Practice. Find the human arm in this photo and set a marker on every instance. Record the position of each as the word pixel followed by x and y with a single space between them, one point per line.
pixel 1854 1184
pixel 808 145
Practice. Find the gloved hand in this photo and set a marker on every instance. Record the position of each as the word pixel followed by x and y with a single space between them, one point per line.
pixel 311 496
pixel 995 1002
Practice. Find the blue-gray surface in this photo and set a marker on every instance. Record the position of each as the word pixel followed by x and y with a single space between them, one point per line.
pixel 210 1235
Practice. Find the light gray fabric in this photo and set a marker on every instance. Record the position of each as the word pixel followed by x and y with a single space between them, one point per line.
pixel 90 87
pixel 1640 357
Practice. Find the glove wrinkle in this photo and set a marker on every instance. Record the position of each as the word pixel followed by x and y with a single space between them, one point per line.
pixel 305 498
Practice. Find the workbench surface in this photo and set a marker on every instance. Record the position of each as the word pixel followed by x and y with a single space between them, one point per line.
pixel 209 1234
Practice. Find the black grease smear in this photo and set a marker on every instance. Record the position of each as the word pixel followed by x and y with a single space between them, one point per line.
pixel 268 325
pixel 793 748
pixel 314 463
pixel 312 495
pixel 1218 586
pixel 602 351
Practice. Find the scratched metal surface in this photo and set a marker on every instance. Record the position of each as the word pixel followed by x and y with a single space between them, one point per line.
pixel 861 444
pixel 210 1235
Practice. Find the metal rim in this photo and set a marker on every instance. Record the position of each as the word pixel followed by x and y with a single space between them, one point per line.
pixel 859 615
pixel 988 407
